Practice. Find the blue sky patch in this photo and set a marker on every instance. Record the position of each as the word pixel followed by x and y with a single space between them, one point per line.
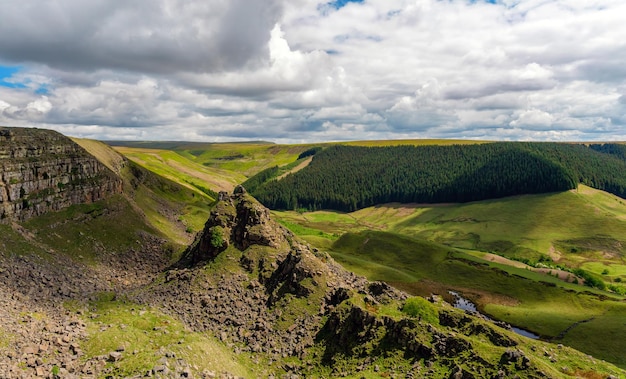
pixel 338 4
pixel 326 8
pixel 6 72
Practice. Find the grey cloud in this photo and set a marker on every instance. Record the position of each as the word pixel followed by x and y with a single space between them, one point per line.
pixel 162 36
pixel 495 88
pixel 224 69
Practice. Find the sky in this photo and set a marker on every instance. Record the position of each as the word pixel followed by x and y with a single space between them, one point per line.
pixel 302 71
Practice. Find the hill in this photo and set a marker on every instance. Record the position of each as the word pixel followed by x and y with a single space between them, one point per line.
pixel 232 162
pixel 291 310
pixel 102 289
pixel 348 178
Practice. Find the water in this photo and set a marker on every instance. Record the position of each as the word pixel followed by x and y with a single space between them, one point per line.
pixel 466 305
pixel 524 333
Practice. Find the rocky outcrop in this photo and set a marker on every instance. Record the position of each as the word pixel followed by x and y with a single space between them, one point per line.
pixel 239 220
pixel 43 171
pixel 265 293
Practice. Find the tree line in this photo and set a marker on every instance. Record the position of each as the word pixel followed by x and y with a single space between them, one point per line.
pixel 348 178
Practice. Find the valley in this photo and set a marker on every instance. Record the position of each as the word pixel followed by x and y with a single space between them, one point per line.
pixel 184 274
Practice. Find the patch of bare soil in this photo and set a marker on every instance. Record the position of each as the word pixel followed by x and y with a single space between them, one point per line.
pixel 502 260
pixel 299 167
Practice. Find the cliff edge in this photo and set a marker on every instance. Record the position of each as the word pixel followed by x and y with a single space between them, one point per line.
pixel 44 171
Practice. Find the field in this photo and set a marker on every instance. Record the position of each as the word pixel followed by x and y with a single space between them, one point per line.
pixel 221 162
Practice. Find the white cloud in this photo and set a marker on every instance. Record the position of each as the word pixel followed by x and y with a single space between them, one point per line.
pixel 278 70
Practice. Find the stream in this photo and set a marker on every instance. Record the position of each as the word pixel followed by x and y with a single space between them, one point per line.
pixel 466 305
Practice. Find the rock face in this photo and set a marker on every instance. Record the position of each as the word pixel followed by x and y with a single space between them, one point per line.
pixel 236 219
pixel 43 171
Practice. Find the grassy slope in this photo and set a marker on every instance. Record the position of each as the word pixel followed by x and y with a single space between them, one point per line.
pixel 174 210
pixel 586 221
pixel 533 301
pixel 178 168
pixel 577 228
pixel 227 163
pixel 103 153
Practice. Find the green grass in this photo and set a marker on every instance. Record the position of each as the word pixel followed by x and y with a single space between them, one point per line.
pixel 573 228
pixel 13 243
pixel 614 270
pixel 305 231
pixel 534 301
pixel 589 220
pixel 183 171
pixel 87 230
pixel 602 335
pixel 232 162
pixel 145 334
pixel 175 211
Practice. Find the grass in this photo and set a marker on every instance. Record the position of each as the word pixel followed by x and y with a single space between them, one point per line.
pixel 87 230
pixel 145 335
pixel 573 228
pixel 176 211
pixel 612 270
pixel 231 162
pixel 113 160
pixel 533 301
pixel 14 243
pixel 587 220
pixel 183 171
pixel 600 335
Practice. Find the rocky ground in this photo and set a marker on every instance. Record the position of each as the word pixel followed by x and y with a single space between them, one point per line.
pixel 41 337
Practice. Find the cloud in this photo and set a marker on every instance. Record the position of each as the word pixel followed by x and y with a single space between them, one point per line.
pixel 147 36
pixel 307 70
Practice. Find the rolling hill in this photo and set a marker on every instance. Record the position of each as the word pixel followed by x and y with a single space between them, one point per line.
pixel 348 178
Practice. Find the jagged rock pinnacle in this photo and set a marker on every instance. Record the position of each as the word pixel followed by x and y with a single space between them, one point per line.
pixel 238 220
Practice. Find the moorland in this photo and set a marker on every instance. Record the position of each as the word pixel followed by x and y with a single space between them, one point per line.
pixel 182 273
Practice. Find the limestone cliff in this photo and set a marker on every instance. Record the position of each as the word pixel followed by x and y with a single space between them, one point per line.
pixel 43 171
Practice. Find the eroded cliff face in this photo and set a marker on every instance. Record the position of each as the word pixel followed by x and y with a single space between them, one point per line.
pixel 43 171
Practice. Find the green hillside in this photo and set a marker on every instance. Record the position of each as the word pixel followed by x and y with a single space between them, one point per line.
pixel 231 162
pixel 434 248
pixel 348 178
pixel 540 303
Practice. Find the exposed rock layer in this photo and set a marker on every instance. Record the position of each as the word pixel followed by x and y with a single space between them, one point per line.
pixel 43 171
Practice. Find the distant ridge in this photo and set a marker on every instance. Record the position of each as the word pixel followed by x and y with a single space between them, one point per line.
pixel 172 145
